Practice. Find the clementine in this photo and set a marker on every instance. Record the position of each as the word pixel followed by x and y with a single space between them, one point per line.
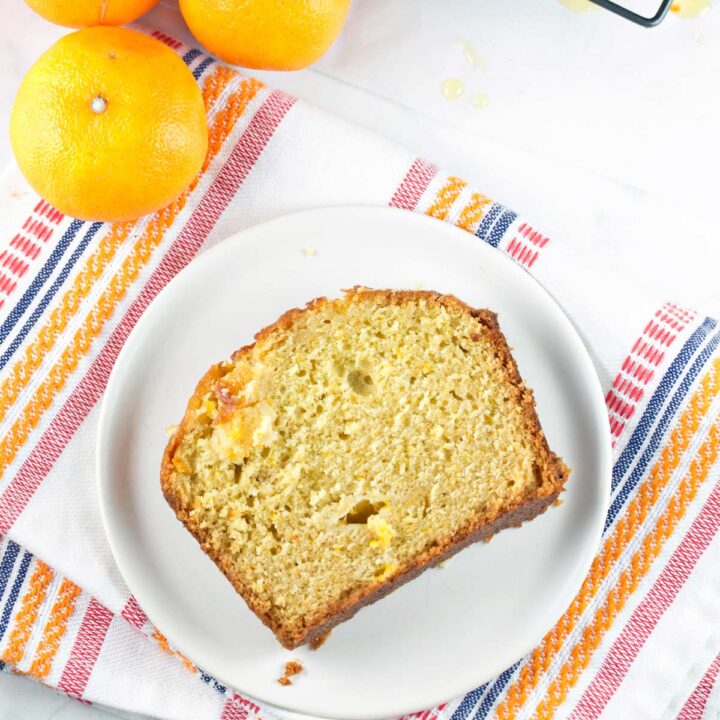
pixel 86 13
pixel 109 124
pixel 266 34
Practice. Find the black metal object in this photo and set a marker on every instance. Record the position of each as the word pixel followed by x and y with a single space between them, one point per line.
pixel 628 14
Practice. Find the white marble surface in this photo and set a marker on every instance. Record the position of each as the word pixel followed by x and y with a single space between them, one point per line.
pixel 24 699
pixel 646 230
pixel 586 87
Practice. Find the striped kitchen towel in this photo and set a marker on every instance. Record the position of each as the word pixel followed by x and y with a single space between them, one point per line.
pixel 640 639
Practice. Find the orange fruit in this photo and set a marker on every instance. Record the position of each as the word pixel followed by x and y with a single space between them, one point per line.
pixel 109 124
pixel 266 34
pixel 86 13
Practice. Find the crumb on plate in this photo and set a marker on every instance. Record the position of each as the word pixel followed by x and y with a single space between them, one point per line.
pixel 292 667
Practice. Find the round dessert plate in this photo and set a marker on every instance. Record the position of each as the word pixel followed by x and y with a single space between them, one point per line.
pixel 452 628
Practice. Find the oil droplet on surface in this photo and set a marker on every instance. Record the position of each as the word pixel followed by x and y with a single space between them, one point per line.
pixel 452 88
pixel 479 100
pixel 578 6
pixel 690 8
pixel 473 57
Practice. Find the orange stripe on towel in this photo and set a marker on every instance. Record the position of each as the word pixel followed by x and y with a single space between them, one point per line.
pixel 28 612
pixel 445 198
pixel 55 628
pixel 473 212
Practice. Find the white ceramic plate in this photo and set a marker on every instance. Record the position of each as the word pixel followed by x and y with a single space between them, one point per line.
pixel 447 631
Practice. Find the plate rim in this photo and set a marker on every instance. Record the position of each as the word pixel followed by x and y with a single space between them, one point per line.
pixel 599 417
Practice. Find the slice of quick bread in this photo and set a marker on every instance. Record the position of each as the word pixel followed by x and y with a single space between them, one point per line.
pixel 357 442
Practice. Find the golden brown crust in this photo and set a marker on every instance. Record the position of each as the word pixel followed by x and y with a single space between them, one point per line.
pixel 319 639
pixel 552 474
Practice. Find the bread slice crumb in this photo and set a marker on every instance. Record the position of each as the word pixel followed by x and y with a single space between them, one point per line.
pixel 292 667
pixel 356 443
